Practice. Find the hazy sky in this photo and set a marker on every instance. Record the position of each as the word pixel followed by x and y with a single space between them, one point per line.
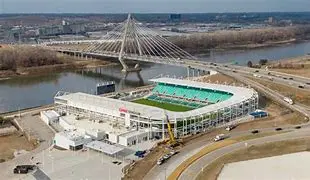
pixel 145 6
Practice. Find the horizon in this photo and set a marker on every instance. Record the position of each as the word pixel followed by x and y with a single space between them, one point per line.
pixel 150 6
pixel 47 13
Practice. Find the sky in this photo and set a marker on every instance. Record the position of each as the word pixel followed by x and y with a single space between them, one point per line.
pixel 151 6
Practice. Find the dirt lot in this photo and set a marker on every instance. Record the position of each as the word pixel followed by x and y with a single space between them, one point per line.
pixel 8 144
pixel 254 152
pixel 142 167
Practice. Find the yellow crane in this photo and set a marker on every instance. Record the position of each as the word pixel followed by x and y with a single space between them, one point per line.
pixel 172 140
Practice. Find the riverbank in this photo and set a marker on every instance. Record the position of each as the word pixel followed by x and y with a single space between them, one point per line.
pixel 69 63
pixel 227 47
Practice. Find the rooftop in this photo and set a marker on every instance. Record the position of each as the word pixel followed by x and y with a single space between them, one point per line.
pixel 51 114
pixel 73 135
pixel 134 133
pixel 104 147
pixel 94 125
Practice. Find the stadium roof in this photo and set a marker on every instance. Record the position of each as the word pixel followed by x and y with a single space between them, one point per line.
pixel 114 106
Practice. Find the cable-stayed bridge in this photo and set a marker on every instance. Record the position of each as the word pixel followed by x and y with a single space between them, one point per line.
pixel 130 40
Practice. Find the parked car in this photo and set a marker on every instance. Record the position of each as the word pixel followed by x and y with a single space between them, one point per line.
pixel 173 153
pixel 166 156
pixel 297 127
pixel 23 169
pixel 160 161
pixel 140 154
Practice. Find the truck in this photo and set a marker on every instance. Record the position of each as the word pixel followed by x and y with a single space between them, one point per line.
pixel 288 100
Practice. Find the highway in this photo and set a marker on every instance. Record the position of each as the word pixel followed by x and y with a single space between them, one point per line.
pixel 194 169
pixel 278 77
pixel 164 170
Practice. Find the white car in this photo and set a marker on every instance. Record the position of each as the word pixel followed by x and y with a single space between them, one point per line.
pixel 160 161
pixel 220 137
pixel 231 127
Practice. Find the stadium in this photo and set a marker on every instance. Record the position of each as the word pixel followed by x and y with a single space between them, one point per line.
pixel 190 107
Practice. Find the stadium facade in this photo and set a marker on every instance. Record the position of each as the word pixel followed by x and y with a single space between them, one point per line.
pixel 207 106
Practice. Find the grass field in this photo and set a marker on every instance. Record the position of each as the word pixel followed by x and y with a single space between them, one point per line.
pixel 163 105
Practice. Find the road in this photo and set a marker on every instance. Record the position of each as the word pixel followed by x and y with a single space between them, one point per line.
pixel 278 77
pixel 194 169
pixel 269 93
pixel 162 171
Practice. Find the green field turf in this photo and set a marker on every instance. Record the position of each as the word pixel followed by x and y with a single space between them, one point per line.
pixel 163 105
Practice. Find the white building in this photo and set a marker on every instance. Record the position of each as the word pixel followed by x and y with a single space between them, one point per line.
pixel 49 116
pixel 73 140
pixel 134 137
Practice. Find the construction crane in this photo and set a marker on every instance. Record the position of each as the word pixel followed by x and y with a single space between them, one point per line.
pixel 171 135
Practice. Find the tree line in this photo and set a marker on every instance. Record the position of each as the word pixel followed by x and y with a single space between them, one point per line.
pixel 203 41
pixel 13 57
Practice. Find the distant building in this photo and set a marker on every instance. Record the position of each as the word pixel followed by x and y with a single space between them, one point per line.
pixel 73 28
pixel 50 31
pixel 270 20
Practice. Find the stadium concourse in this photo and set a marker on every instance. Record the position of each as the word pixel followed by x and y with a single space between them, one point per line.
pixel 189 105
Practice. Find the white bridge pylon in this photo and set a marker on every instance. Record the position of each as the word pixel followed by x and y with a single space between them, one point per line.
pixel 131 40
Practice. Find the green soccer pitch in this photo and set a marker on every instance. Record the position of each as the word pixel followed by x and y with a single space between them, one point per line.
pixel 163 105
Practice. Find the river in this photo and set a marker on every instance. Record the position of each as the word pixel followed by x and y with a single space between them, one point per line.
pixel 30 91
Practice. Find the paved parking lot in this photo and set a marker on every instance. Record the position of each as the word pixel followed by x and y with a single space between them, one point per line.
pixel 57 164
pixel 285 167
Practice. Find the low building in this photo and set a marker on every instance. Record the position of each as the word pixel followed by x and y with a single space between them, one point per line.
pixel 133 137
pixel 49 116
pixel 71 140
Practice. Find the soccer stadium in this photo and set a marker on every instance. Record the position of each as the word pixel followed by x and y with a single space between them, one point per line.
pixel 190 107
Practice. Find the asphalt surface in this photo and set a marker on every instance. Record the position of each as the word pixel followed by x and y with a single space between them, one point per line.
pixel 194 169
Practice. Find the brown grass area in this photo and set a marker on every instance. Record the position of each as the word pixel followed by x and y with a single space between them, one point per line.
pixel 298 95
pixel 8 144
pixel 142 167
pixel 304 60
pixel 212 171
pixel 219 78
pixel 299 72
